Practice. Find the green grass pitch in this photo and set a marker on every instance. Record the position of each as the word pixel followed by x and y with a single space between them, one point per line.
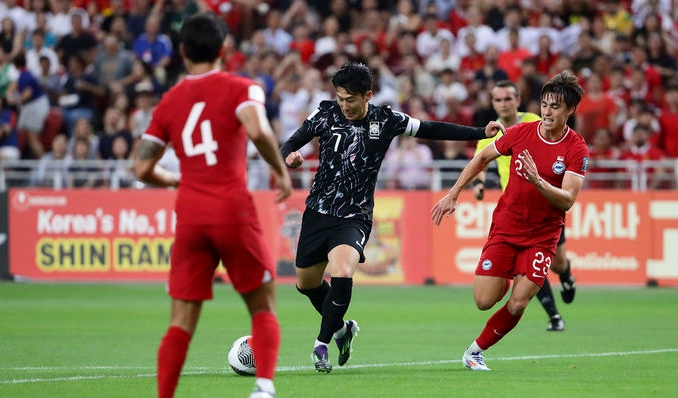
pixel 100 340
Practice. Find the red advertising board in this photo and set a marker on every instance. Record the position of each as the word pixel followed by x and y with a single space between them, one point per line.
pixel 127 235
pixel 91 235
pixel 613 237
pixel 662 265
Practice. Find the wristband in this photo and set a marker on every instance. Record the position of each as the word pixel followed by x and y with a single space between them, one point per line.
pixel 477 182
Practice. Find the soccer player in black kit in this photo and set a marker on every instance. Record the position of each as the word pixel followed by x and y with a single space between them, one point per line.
pixel 354 137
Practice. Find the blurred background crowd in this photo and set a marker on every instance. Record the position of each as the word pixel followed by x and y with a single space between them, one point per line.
pixel 79 79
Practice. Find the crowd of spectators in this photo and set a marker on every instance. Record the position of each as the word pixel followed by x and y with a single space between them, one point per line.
pixel 101 66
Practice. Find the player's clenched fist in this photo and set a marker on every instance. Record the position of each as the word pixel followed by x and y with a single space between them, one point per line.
pixel 294 160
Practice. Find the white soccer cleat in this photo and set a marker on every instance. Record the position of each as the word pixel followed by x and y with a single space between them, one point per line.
pixel 262 394
pixel 474 361
pixel 259 393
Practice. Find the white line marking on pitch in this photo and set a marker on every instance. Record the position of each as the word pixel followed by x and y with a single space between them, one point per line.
pixel 207 371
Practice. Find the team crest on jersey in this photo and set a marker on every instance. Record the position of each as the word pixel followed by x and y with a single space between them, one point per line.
pixel 558 166
pixel 375 129
pixel 487 264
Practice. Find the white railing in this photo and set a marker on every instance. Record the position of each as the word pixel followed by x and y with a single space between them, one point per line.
pixel 611 174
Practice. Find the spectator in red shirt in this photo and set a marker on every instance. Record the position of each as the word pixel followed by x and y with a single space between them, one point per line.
pixel 597 109
pixel 234 59
pixel 600 176
pixel 511 60
pixel 652 88
pixel 641 150
pixel 302 43
pixel 471 62
pixel 668 120
pixel 545 58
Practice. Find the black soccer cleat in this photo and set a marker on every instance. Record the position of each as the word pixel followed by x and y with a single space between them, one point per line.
pixel 568 289
pixel 345 343
pixel 556 324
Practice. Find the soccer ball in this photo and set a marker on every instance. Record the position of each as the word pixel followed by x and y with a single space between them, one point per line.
pixel 241 357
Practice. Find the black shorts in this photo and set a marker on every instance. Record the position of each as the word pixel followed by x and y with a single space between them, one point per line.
pixel 321 233
pixel 562 237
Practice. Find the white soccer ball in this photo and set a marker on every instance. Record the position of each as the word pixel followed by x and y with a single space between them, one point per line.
pixel 241 357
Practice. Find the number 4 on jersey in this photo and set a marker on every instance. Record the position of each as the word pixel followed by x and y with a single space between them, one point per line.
pixel 208 145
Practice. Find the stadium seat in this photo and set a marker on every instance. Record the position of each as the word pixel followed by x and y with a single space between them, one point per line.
pixel 52 127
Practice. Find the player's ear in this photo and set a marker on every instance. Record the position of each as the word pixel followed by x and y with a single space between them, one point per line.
pixel 181 50
pixel 368 95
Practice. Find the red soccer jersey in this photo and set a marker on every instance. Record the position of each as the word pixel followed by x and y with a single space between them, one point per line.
pixel 198 116
pixel 523 215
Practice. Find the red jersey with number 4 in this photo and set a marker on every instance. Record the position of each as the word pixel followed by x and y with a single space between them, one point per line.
pixel 523 215
pixel 198 116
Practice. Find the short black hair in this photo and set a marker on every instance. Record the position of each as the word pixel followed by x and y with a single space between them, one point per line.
pixel 20 60
pixel 202 36
pixel 354 77
pixel 565 86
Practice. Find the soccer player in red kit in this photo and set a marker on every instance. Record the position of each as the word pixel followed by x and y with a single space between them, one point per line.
pixel 548 165
pixel 207 117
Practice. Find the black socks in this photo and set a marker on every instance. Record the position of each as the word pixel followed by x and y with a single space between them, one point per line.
pixel 545 296
pixel 335 307
pixel 317 295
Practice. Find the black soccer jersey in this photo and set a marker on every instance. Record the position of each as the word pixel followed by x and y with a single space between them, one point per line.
pixel 351 153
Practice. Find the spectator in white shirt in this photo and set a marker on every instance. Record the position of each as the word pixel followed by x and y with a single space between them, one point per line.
pixel 38 50
pixel 428 41
pixel 449 87
pixel 275 36
pixel 483 33
pixel 443 59
pixel 408 164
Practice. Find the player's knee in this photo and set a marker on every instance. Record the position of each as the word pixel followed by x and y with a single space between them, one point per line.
pixel 485 302
pixel 341 269
pixel 516 307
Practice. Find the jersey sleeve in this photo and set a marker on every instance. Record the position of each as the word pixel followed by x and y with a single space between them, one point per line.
pixel 250 94
pixel 399 123
pixel 504 143
pixel 580 161
pixel 483 143
pixel 155 131
pixel 308 129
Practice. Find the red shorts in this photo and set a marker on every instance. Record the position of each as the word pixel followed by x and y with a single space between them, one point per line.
pixel 506 260
pixel 198 249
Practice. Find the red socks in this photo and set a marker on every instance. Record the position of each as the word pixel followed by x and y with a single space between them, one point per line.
pixel 497 327
pixel 171 357
pixel 265 328
pixel 174 347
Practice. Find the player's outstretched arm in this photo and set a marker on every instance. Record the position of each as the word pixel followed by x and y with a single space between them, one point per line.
pixel 457 132
pixel 290 149
pixel 146 168
pixel 259 130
